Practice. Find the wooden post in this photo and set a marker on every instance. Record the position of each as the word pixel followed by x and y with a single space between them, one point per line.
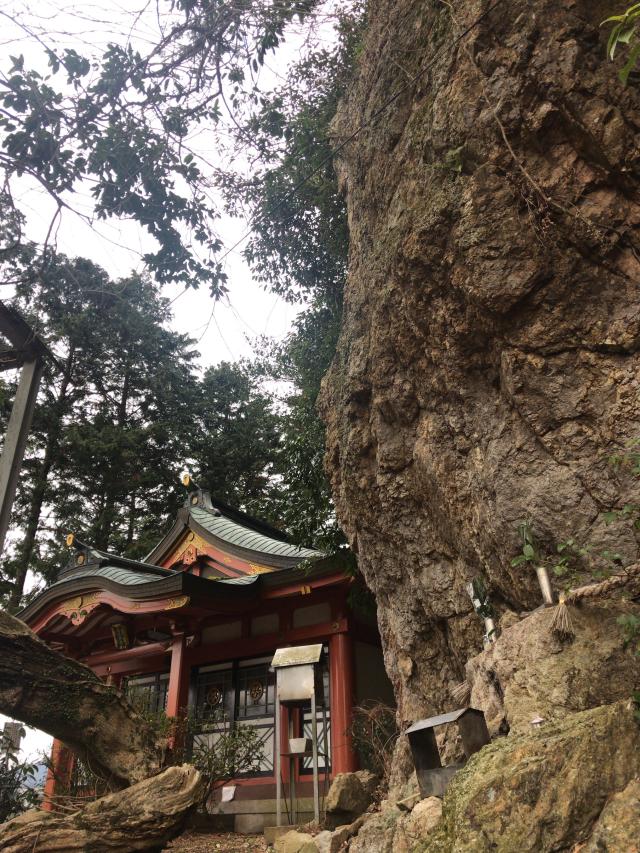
pixel 341 675
pixel 15 440
pixel 58 775
pixel 178 694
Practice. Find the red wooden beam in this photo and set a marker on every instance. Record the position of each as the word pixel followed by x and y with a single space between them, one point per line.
pixel 133 653
pixel 304 586
pixel 250 646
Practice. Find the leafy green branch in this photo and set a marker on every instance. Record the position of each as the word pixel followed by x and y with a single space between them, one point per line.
pixel 623 34
pixel 562 560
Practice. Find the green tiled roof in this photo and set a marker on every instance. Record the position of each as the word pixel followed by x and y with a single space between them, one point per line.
pixel 116 574
pixel 128 577
pixel 242 537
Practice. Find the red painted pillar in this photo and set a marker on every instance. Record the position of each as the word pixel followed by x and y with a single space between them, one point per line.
pixel 58 775
pixel 178 694
pixel 341 675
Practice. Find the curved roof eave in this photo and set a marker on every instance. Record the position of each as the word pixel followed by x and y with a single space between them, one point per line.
pixel 139 588
pixel 229 536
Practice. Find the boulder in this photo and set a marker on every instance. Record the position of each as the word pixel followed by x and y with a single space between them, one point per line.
pixel 349 796
pixel 295 842
pixel 544 791
pixel 618 827
pixel 369 782
pixel 423 818
pixel 323 841
pixel 415 827
pixel 394 831
pixel 333 842
pixel 377 833
pixel 528 672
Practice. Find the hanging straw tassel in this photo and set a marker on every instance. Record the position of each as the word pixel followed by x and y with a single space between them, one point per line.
pixel 461 693
pixel 561 622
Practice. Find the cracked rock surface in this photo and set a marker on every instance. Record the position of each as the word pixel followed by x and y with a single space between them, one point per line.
pixel 488 360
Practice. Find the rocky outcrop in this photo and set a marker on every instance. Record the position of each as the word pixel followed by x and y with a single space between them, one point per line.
pixel 618 827
pixel 393 830
pixel 546 790
pixel 335 841
pixel 488 360
pixel 528 672
pixel 349 796
pixel 295 842
pixel 378 833
pixel 412 830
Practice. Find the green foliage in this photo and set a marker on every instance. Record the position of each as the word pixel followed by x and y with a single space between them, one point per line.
pixel 17 781
pixel 300 240
pixel 236 440
pixel 294 369
pixel 129 394
pixel 251 433
pixel 121 122
pixel 233 752
pixel 481 601
pixel 125 384
pixel 630 624
pixel 628 458
pixel 299 248
pixel 567 561
pixel 623 34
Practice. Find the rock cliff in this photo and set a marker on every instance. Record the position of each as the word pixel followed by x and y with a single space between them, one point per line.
pixel 488 360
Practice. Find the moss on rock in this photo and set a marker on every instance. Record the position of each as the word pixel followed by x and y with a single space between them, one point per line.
pixel 541 791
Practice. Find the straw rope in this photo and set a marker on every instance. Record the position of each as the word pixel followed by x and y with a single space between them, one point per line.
pixel 561 623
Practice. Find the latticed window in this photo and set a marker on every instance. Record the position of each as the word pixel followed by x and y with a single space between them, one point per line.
pixel 323 718
pixel 256 691
pixel 242 693
pixel 215 697
pixel 148 693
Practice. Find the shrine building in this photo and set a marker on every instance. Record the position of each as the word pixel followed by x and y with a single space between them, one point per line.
pixel 193 628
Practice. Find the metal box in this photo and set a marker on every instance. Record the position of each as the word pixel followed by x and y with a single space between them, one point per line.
pixel 299 745
pixel 298 677
pixel 433 778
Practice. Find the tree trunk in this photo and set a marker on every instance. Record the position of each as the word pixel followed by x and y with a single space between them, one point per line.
pixel 145 816
pixel 66 699
pixel 112 479
pixel 488 360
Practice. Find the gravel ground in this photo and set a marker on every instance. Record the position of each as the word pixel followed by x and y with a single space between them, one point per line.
pixel 221 842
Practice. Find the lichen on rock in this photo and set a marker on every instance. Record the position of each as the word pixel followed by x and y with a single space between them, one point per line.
pixel 488 358
pixel 529 672
pixel 543 791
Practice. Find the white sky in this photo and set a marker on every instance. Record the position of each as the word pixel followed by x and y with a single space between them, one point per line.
pixel 249 311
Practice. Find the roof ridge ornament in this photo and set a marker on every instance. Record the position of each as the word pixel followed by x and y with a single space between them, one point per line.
pixel 83 552
pixel 197 496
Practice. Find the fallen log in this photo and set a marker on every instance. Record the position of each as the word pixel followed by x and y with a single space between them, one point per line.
pixel 67 700
pixel 143 817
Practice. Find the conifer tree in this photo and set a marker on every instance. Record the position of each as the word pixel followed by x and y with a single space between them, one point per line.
pixel 108 436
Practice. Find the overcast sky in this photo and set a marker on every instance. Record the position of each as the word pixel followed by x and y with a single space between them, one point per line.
pixel 249 311
pixel 117 246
